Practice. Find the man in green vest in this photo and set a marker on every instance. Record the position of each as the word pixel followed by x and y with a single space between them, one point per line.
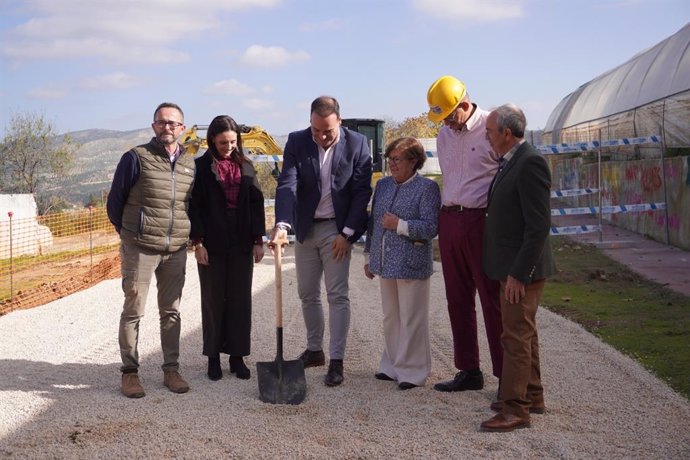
pixel 148 205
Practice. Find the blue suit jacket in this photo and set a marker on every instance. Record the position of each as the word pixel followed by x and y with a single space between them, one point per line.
pixel 299 186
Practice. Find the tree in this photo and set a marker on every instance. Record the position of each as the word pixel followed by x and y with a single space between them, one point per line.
pixel 419 127
pixel 32 156
pixel 51 204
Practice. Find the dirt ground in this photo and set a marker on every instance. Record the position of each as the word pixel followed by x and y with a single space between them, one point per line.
pixel 50 281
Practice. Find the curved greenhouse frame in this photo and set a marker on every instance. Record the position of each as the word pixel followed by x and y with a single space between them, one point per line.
pixel 647 95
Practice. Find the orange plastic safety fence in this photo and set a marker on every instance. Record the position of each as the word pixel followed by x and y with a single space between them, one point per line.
pixel 48 257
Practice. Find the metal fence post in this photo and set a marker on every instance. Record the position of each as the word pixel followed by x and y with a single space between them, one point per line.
pixel 601 217
pixel 91 242
pixel 10 214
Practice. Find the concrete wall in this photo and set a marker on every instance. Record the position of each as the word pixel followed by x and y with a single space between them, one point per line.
pixel 28 237
pixel 634 182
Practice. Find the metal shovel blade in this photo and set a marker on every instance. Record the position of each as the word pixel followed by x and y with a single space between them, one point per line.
pixel 281 382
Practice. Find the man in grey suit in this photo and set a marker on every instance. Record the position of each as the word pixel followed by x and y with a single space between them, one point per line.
pixel 322 193
pixel 518 254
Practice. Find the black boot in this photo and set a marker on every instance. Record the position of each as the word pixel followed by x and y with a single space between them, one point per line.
pixel 214 370
pixel 238 368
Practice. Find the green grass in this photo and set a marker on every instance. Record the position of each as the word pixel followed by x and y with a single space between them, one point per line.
pixel 642 319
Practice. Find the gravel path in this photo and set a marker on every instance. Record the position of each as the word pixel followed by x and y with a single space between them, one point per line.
pixel 59 391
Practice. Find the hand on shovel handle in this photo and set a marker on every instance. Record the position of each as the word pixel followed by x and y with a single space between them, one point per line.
pixel 278 238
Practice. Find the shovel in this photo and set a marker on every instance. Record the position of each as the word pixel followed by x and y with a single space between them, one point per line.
pixel 280 381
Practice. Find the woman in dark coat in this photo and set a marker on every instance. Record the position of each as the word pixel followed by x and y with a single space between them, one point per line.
pixel 228 225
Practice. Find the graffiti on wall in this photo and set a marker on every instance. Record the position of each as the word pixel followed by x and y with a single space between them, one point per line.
pixel 651 179
pixel 643 181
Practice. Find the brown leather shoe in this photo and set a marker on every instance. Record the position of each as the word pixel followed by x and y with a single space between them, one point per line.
pixel 497 406
pixel 504 423
pixel 131 387
pixel 174 381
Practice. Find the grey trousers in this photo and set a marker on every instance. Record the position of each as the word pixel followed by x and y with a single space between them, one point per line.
pixel 138 267
pixel 314 259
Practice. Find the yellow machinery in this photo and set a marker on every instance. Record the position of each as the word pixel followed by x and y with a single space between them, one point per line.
pixel 255 140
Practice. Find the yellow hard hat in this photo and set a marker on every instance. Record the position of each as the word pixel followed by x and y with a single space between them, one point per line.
pixel 444 95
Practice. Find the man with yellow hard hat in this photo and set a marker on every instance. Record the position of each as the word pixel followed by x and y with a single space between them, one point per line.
pixel 468 165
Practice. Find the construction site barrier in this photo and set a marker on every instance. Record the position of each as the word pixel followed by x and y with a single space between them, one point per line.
pixel 601 209
pixel 267 158
pixel 43 258
pixel 573 192
pixel 607 209
pixel 575 229
pixel 595 145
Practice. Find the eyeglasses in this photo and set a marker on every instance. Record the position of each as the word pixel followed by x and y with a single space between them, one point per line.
pixel 451 116
pixel 164 123
pixel 395 161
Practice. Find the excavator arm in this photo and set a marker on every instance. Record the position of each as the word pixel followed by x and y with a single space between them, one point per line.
pixel 255 141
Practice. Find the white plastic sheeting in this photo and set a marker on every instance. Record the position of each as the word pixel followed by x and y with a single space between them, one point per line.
pixel 647 95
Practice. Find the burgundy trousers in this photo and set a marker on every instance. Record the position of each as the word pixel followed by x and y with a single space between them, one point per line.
pixel 460 243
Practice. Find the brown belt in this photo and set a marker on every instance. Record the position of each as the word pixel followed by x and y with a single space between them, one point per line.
pixel 318 220
pixel 460 208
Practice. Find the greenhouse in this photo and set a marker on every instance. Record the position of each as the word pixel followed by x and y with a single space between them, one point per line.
pixel 647 95
pixel 633 126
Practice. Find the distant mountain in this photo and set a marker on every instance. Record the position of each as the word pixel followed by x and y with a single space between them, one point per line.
pixel 97 157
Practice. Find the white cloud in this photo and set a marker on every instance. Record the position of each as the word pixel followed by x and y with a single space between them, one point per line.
pixel 119 80
pixel 327 25
pixel 271 56
pixel 230 87
pixel 478 10
pixel 48 92
pixel 257 104
pixel 131 31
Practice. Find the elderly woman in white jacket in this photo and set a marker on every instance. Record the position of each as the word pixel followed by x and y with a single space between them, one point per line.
pixel 403 222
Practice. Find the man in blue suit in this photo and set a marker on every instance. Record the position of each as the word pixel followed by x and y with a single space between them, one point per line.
pixel 322 194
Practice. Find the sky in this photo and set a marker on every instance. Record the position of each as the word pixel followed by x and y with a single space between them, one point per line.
pixel 106 64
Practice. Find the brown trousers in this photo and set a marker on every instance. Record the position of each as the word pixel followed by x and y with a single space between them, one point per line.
pixel 138 267
pixel 521 377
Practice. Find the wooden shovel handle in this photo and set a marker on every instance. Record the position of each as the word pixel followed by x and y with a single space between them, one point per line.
pixel 277 254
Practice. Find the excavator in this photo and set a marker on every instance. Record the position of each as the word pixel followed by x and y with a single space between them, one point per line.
pixel 256 141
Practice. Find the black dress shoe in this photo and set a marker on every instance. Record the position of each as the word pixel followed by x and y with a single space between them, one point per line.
pixel 238 368
pixel 312 358
pixel 334 377
pixel 463 381
pixel 406 385
pixel 382 376
pixel 214 371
